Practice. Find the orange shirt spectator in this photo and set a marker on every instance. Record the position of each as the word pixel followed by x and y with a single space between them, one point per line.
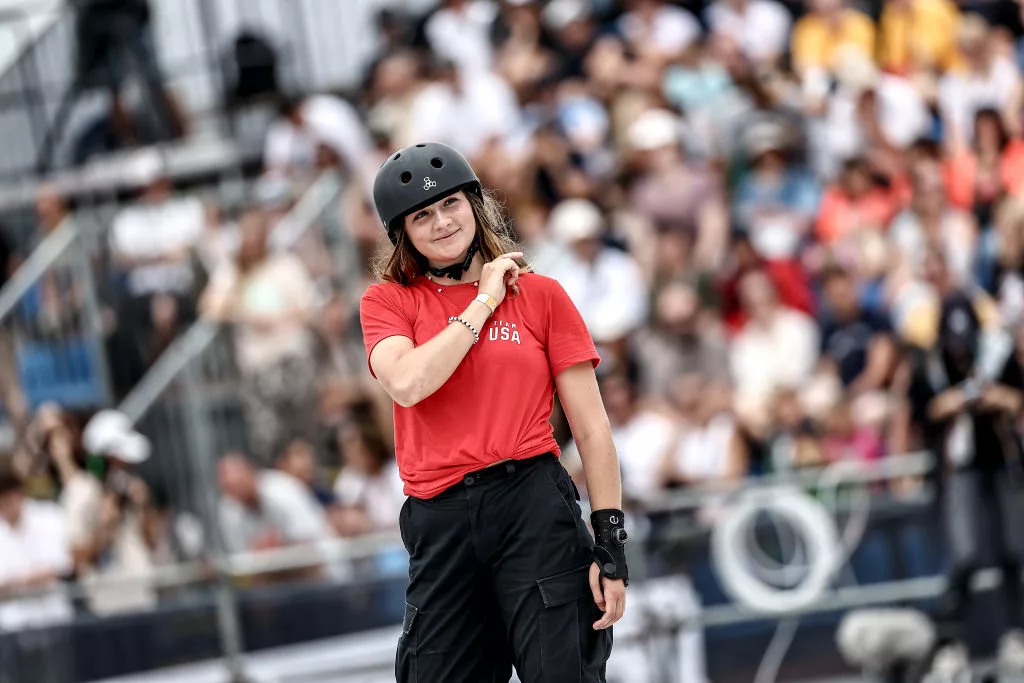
pixel 978 176
pixel 964 186
pixel 854 203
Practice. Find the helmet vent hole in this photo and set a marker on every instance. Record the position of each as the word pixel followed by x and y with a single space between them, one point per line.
pixel 421 145
pixel 437 162
pixel 395 158
pixel 406 177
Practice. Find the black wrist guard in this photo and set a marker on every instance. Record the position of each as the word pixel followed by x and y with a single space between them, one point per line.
pixel 610 543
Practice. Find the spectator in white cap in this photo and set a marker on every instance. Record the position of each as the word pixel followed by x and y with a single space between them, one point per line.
pixel 670 192
pixel 105 516
pixel 605 283
pixel 111 433
pixel 658 31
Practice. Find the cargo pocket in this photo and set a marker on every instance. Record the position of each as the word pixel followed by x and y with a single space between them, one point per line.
pixel 405 659
pixel 568 607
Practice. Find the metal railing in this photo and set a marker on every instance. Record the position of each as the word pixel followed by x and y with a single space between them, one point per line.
pixel 51 320
pixel 316 208
pixel 223 572
pixel 188 406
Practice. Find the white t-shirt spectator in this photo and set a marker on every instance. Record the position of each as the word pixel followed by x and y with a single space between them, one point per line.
pixel 39 543
pixel 328 120
pixel 277 286
pixel 780 355
pixel 963 94
pixel 672 30
pixel 760 28
pixel 127 557
pixel 382 496
pixel 463 36
pixel 902 115
pixel 485 108
pixel 702 454
pixel 288 147
pixel 956 240
pixel 610 294
pixel 642 444
pixel 151 231
pixel 285 506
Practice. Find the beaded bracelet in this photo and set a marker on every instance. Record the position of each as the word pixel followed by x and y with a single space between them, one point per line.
pixel 476 335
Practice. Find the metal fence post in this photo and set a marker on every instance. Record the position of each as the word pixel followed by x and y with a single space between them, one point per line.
pixel 202 456
pixel 93 322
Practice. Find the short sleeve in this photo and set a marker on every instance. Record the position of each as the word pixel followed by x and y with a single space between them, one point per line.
pixel 568 340
pixel 382 314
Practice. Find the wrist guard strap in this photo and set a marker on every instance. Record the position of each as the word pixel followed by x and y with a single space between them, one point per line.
pixel 610 541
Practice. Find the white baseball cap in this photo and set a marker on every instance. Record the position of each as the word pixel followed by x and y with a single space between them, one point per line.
pixel 560 13
pixel 111 433
pixel 653 129
pixel 573 220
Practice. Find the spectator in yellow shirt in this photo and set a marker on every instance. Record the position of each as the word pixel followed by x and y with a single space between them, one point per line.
pixel 918 36
pixel 819 36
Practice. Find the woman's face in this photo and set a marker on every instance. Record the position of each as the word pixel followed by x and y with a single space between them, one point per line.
pixel 443 231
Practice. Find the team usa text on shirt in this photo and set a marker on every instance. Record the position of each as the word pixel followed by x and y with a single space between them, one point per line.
pixel 503 331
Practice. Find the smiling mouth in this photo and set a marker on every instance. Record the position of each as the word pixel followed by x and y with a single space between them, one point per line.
pixel 440 239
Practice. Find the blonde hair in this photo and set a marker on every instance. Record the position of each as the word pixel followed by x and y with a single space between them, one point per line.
pixel 402 263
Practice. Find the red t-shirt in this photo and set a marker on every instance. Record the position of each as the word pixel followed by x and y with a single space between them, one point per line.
pixel 497 403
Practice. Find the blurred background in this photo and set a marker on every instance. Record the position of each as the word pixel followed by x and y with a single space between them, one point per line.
pixel 776 216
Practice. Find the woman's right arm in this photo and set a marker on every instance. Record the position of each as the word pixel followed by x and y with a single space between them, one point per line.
pixel 411 373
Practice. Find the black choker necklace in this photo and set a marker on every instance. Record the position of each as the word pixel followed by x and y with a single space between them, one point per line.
pixel 455 271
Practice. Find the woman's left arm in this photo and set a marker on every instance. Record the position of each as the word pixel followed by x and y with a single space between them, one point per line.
pixel 581 401
pixel 584 409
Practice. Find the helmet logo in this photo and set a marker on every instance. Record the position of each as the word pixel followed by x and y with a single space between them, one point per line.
pixel 428 183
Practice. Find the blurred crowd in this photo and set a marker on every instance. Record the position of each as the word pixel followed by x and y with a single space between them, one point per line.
pixel 761 208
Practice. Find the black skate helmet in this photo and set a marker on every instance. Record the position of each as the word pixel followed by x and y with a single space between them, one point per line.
pixel 417 176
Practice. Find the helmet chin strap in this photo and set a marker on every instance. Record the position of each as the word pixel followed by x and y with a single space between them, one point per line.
pixel 455 271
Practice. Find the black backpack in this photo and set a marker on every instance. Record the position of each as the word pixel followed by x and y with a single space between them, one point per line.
pixel 254 61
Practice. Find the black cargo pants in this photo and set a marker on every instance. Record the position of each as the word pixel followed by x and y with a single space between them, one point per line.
pixel 499 576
